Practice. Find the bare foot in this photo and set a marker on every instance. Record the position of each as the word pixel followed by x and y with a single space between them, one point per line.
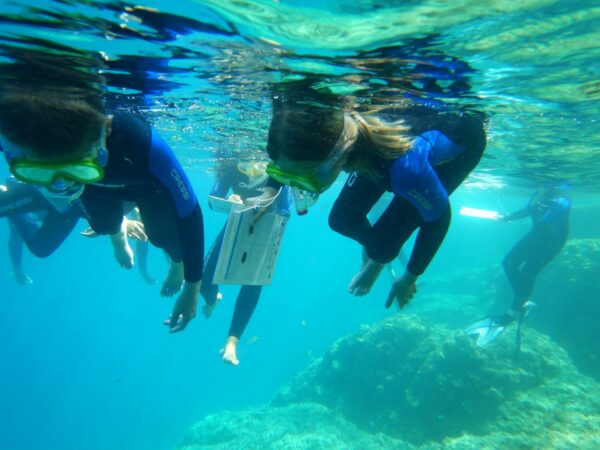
pixel 173 280
pixel 208 310
pixel 230 352
pixel 363 281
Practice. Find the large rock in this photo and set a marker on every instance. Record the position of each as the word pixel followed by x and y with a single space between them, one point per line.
pixel 297 426
pixel 423 384
pixel 568 295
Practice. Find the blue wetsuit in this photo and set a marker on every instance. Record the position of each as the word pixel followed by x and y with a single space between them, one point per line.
pixel 550 219
pixel 35 221
pixel 447 147
pixel 247 299
pixel 142 169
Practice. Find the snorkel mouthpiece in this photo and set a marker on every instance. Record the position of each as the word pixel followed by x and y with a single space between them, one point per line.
pixel 304 200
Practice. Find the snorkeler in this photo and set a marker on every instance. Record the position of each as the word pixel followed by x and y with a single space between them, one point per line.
pixel 549 211
pixel 249 183
pixel 419 153
pixel 42 222
pixel 61 137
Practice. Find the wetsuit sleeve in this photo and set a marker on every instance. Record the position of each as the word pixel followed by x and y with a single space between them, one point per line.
pixel 559 208
pixel 166 169
pixel 414 179
pixel 21 199
pixel 222 185
pixel 523 212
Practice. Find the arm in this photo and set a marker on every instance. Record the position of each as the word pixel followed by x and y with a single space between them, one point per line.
pixel 190 228
pixel 414 179
pixel 521 213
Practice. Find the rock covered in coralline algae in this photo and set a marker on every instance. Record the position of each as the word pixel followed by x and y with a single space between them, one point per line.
pixel 293 427
pixel 568 298
pixel 407 384
pixel 420 382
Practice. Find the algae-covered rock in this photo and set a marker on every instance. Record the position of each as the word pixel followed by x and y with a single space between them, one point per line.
pixel 297 426
pixel 568 296
pixel 420 383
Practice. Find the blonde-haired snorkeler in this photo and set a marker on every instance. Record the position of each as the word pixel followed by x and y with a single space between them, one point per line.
pixel 421 154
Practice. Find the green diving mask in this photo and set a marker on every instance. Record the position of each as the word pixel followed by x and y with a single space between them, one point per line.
pixel 88 169
pixel 317 180
pixel 45 174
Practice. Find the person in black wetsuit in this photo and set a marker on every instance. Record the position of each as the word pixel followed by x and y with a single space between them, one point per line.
pixel 250 184
pixel 62 137
pixel 419 153
pixel 549 211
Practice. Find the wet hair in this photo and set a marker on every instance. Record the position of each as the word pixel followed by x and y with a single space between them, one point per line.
pixel 304 131
pixel 51 105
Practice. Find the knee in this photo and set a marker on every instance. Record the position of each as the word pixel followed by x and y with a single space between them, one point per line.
pixel 338 221
pixel 382 253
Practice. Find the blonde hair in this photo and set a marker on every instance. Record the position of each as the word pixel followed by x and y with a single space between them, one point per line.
pixel 390 140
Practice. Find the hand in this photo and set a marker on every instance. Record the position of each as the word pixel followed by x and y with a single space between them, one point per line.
pixel 22 278
pixel 136 230
pixel 262 203
pixel 184 309
pixel 89 233
pixel 403 290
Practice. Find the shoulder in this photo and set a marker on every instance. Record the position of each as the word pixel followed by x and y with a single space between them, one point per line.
pixel 127 130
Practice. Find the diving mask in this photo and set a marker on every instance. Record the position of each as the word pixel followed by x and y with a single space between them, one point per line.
pixel 318 180
pixel 85 170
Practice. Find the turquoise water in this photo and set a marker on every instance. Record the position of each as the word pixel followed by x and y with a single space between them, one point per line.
pixel 86 362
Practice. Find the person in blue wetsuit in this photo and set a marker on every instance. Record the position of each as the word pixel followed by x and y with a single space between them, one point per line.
pixel 549 211
pixel 42 221
pixel 249 183
pixel 419 153
pixel 35 221
pixel 62 137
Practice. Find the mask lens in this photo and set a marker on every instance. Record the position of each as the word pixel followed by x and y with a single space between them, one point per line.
pixel 46 174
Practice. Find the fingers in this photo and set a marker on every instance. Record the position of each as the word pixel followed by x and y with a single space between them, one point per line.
pixel 89 232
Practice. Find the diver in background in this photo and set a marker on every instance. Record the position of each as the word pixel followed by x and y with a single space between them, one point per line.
pixel 419 153
pixel 60 136
pixel 249 183
pixel 549 211
pixel 42 222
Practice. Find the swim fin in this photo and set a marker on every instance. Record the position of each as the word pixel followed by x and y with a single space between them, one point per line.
pixel 487 330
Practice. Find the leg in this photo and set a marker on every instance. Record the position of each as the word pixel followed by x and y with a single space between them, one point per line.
pixel 208 290
pixel 349 213
pixel 162 233
pixel 244 308
pixel 542 253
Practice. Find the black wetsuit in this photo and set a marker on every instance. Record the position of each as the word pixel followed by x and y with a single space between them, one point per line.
pixel 248 296
pixel 142 169
pixel 447 147
pixel 550 219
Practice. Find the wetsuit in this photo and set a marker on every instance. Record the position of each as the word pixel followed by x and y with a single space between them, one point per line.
pixel 35 221
pixel 142 169
pixel 248 296
pixel 550 219
pixel 447 147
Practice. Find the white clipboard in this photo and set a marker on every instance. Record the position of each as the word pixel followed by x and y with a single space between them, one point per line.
pixel 249 251
pixel 221 205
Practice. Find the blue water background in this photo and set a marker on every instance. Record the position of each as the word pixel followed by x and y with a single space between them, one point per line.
pixel 87 363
